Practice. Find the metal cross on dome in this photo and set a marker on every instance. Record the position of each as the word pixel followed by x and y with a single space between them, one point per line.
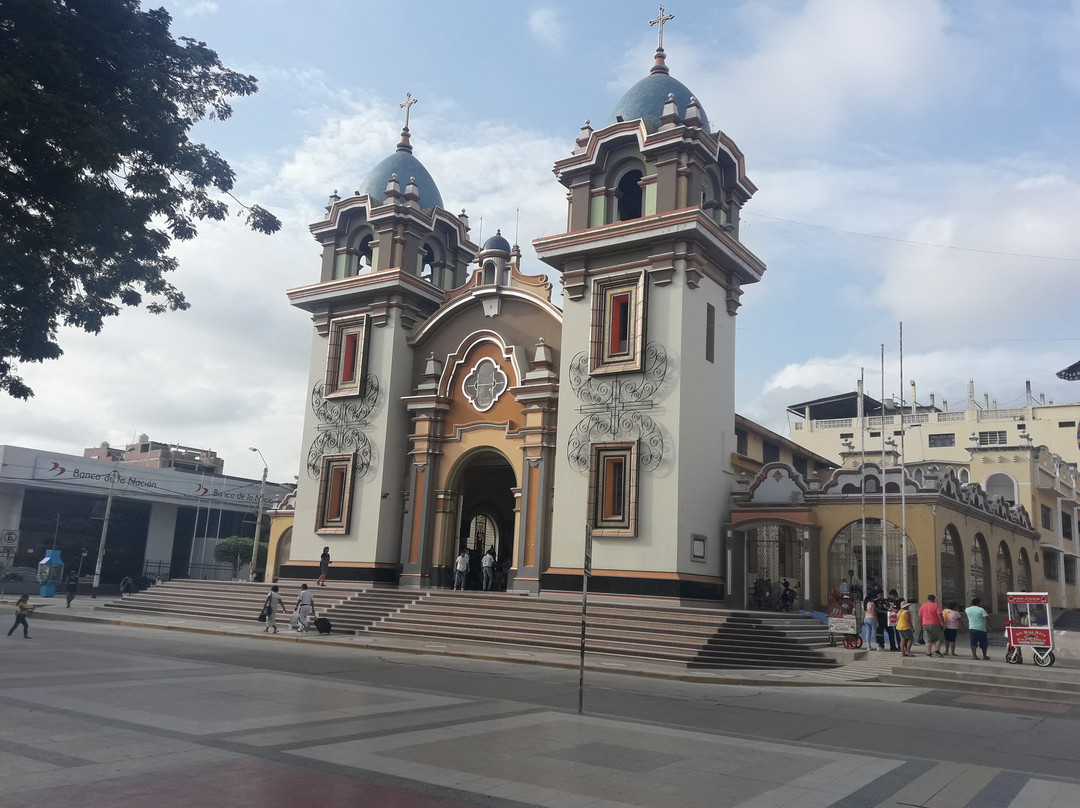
pixel 409 101
pixel 661 18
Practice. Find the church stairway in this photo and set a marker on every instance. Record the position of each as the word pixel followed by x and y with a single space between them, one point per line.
pixel 698 638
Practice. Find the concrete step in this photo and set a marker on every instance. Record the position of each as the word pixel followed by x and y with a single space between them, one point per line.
pixel 995 678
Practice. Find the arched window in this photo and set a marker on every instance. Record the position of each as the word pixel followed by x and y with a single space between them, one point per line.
pixel 952 567
pixel 427 265
pixel 980 570
pixel 489 273
pixel 964 477
pixel 1023 571
pixel 630 196
pixel 1003 576
pixel 1001 485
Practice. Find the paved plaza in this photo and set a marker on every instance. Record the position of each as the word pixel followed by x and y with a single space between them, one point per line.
pixel 97 715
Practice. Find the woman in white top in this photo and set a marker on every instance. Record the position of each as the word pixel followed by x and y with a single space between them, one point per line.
pixel 272 606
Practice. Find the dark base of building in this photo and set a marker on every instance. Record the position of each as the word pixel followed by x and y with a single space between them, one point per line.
pixel 641 587
pixel 367 575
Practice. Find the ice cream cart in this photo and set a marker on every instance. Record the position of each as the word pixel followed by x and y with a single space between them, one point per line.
pixel 1030 624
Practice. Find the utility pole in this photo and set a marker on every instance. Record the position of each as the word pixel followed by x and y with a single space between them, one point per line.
pixel 104 533
pixel 258 519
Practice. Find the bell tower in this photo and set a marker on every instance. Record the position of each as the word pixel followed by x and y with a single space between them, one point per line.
pixel 653 274
pixel 390 252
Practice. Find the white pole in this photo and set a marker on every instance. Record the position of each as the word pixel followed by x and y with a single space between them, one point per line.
pixel 862 474
pixel 903 472
pixel 884 524
pixel 258 519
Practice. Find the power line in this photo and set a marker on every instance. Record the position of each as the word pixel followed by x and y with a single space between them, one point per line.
pixel 910 241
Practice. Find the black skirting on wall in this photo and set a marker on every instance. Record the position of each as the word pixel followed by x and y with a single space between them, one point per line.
pixel 375 575
pixel 646 587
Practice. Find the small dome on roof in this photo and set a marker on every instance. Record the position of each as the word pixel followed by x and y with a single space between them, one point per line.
pixel 497 242
pixel 406 167
pixel 646 99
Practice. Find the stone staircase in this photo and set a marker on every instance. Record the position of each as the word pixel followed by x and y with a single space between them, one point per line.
pixel 697 638
pixel 224 600
pixel 1059 684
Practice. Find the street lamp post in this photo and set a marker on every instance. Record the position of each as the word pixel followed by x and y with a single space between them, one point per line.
pixel 258 519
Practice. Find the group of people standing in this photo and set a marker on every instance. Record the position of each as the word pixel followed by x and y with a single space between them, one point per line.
pixel 891 617
pixel 489 566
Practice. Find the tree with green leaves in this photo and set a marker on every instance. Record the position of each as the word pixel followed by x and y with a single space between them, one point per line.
pixel 97 173
pixel 236 550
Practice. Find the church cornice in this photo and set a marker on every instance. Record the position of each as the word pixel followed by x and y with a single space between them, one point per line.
pixel 723 255
pixel 372 289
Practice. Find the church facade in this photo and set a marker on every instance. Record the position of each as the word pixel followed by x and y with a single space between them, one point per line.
pixel 453 405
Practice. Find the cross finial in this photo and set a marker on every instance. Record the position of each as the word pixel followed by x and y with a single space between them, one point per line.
pixel 661 18
pixel 408 102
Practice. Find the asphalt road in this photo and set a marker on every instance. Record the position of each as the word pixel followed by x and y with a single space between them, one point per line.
pixel 94 713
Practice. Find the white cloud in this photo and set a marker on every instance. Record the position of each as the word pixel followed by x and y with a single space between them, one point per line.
pixel 805 76
pixel 546 27
pixel 201 8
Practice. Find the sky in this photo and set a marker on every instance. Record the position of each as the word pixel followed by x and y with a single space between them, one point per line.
pixel 917 162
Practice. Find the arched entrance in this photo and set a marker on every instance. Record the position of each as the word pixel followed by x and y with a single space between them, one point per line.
pixel 485 485
pixel 846 553
pixel 774 554
pixel 283 553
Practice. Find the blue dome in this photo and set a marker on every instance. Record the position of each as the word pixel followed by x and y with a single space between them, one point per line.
pixel 405 166
pixel 497 242
pixel 646 99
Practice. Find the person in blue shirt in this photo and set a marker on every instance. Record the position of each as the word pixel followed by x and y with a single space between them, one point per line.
pixel 976 617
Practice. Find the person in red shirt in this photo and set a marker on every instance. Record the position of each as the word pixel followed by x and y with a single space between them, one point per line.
pixel 931 619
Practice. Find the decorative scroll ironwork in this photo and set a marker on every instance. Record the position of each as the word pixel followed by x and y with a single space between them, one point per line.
pixel 340 427
pixel 615 408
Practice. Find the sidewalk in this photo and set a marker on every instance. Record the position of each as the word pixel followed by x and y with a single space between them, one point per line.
pixel 862 669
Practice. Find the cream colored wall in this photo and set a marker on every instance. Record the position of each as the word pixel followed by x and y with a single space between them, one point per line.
pixel 375 522
pixel 688 493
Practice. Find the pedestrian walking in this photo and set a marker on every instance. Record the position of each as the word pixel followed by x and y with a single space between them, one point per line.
pixel 305 607
pixel 933 631
pixel 324 566
pixel 72 588
pixel 22 611
pixel 127 586
pixel 976 617
pixel 461 569
pixel 272 607
pixel 488 565
pixel 950 619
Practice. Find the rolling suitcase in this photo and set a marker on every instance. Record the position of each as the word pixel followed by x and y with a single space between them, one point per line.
pixel 322 625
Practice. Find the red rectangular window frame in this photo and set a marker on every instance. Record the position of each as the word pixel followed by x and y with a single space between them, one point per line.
pixel 335 493
pixel 613 489
pixel 348 359
pixel 619 324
